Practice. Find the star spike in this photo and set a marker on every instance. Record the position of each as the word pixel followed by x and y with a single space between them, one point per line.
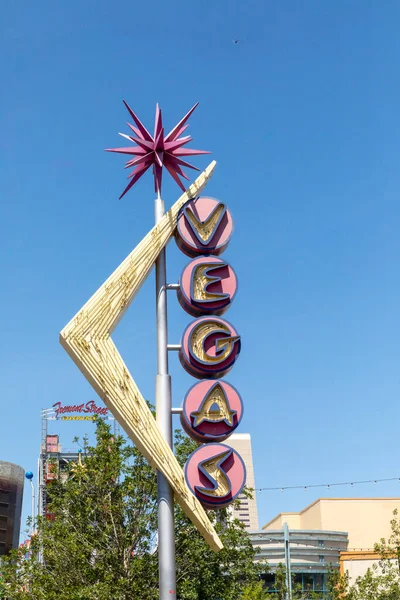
pixel 158 123
pixel 135 130
pixel 158 151
pixel 132 151
pixel 189 152
pixel 183 163
pixel 175 131
pixel 141 127
pixel 139 171
pixel 181 130
pixel 171 146
pixel 175 177
pixel 157 172
pixel 136 161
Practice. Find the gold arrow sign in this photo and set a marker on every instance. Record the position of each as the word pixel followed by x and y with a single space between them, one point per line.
pixel 87 340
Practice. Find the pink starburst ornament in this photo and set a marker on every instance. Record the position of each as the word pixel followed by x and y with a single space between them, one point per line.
pixel 157 151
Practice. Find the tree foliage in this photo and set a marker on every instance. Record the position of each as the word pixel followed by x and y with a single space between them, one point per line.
pixel 382 581
pixel 255 591
pixel 100 542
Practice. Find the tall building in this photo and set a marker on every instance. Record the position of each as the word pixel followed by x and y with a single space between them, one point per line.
pixel 247 512
pixel 12 478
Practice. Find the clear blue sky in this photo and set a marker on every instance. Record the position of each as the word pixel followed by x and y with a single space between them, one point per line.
pixel 302 115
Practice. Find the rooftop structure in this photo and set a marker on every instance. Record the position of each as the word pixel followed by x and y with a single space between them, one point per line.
pixel 366 520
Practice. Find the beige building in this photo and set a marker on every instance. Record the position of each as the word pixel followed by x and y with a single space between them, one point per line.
pixel 365 520
pixel 247 512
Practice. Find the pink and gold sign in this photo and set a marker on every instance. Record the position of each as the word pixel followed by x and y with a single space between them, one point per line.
pixel 216 474
pixel 204 226
pixel 210 346
pixel 208 285
pixel 212 410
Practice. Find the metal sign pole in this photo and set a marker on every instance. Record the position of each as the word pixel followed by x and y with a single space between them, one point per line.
pixel 33 507
pixel 287 561
pixel 166 530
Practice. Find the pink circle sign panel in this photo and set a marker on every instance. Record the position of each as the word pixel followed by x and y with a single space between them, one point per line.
pixel 212 410
pixel 204 227
pixel 216 475
pixel 207 286
pixel 209 348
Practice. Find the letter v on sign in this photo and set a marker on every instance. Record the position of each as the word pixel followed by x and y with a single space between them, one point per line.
pixel 87 339
pixel 204 227
pixel 205 230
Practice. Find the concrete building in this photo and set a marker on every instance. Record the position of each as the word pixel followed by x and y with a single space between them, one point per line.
pixel 308 556
pixel 337 532
pixel 366 520
pixel 12 478
pixel 247 512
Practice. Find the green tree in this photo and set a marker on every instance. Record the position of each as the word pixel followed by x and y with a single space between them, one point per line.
pixel 255 591
pixel 337 585
pixel 382 581
pixel 280 582
pixel 100 542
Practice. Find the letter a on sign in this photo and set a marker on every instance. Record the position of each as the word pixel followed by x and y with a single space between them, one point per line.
pixel 211 411
pixel 87 339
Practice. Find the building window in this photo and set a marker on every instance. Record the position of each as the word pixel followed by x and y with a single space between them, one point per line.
pixel 308 581
pixel 319 582
pixel 311 582
pixel 321 543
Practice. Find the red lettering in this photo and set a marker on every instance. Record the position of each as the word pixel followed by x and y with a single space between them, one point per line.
pixel 89 407
pixel 93 408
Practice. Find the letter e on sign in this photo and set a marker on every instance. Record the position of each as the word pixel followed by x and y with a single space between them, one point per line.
pixel 207 286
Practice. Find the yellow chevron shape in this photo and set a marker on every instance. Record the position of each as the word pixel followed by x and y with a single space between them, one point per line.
pixel 87 339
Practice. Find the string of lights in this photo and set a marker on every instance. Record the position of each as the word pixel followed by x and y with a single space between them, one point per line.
pixel 324 485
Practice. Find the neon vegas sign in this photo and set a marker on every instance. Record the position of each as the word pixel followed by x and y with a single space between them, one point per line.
pixel 212 409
